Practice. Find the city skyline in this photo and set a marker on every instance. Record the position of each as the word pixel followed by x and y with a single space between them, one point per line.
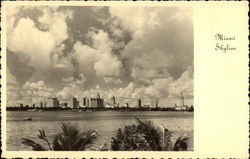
pixel 130 53
pixel 99 102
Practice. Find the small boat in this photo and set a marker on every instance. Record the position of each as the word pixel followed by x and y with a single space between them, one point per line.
pixel 28 119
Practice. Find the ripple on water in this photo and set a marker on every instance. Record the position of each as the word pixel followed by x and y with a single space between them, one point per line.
pixel 106 123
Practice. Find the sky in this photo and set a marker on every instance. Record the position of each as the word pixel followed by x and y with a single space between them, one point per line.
pixel 76 51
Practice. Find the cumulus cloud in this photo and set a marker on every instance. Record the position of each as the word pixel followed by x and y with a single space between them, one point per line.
pixel 129 52
pixel 133 18
pixel 37 42
pixel 99 56
pixel 10 17
pixel 107 64
pixel 73 87
pixel 159 41
pixel 35 92
pixel 184 84
pixel 112 80
pixel 13 94
pixel 55 23
pixel 31 42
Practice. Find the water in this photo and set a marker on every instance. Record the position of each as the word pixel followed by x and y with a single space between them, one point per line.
pixel 105 122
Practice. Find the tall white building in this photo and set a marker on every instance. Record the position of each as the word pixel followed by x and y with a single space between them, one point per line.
pixel 52 102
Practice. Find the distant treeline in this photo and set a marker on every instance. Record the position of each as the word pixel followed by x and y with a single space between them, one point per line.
pixel 191 109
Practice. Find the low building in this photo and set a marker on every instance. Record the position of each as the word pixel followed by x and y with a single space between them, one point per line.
pixel 109 106
pixel 182 108
pixel 64 105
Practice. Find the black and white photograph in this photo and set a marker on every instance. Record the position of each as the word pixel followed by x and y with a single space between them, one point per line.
pixel 99 78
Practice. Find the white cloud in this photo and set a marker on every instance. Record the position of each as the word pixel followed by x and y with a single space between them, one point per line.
pixel 36 45
pixel 31 42
pixel 12 12
pixel 85 54
pixel 159 88
pixel 73 87
pixel 184 84
pixel 35 92
pixel 13 93
pixel 99 57
pixel 137 18
pixel 162 38
pixel 108 65
pixel 101 41
pixel 166 90
pixel 54 21
pixel 112 80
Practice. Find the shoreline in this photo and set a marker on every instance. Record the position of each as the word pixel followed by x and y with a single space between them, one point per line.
pixel 95 109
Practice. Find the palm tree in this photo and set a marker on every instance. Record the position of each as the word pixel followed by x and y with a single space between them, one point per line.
pixel 69 139
pixel 145 136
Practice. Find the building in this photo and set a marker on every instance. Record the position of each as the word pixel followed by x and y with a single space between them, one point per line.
pixel 182 106
pixel 41 105
pixel 97 102
pixel 127 105
pixel 109 106
pixel 139 103
pixel 181 99
pixel 53 102
pixel 74 103
pixel 113 100
pixel 87 102
pixel 84 101
pixel 156 103
pixel 64 105
pixel 21 105
pixel 114 103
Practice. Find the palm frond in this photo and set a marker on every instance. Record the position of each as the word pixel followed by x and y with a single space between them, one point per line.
pixel 87 138
pixel 181 142
pixel 72 139
pixel 152 134
pixel 57 144
pixel 42 136
pixel 180 145
pixel 167 144
pixel 35 146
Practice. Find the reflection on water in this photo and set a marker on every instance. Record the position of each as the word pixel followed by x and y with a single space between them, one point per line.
pixel 105 122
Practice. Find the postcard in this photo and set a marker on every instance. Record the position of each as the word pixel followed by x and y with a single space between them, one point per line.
pixel 124 79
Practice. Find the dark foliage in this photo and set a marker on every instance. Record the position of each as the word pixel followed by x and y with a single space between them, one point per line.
pixel 144 136
pixel 69 139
